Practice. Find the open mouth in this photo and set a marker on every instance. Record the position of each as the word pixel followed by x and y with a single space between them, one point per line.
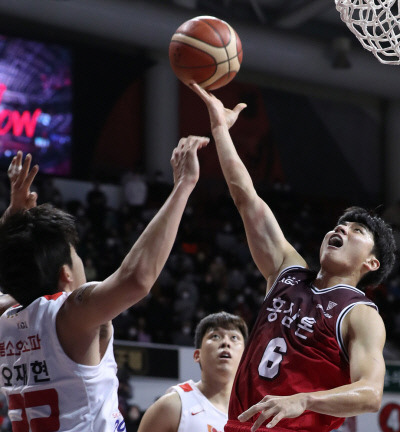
pixel 225 354
pixel 335 241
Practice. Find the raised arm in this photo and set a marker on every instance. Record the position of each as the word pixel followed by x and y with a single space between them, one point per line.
pixel 21 198
pixel 270 249
pixel 89 307
pixel 21 178
pixel 364 331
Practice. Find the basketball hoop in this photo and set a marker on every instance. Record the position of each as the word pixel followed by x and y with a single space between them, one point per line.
pixel 376 24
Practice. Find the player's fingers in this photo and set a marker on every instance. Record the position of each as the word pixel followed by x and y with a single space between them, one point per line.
pixel 246 415
pixel 239 107
pixel 204 142
pixel 257 408
pixel 275 420
pixel 204 94
pixel 31 176
pixel 182 142
pixel 199 142
pixel 261 419
pixel 174 156
pixel 18 158
pixel 15 165
pixel 24 170
pixel 32 199
pixel 12 163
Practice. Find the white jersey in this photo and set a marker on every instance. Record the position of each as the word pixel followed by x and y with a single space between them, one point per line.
pixel 45 389
pixel 198 414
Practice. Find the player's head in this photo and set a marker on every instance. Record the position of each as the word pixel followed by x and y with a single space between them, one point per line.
pixel 219 340
pixel 223 320
pixel 34 246
pixel 384 246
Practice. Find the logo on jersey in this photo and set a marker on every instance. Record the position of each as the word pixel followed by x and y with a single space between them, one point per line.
pixel 22 325
pixel 290 280
pixel 331 305
pixel 120 426
pixel 319 306
pixel 196 412
pixel 211 429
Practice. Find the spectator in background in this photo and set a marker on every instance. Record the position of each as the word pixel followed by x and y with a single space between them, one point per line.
pixel 134 192
pixel 96 208
pixel 133 418
pixel 203 406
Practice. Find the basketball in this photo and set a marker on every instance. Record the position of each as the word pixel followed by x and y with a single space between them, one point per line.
pixel 207 51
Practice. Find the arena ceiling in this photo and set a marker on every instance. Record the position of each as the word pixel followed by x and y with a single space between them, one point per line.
pixel 289 39
pixel 316 18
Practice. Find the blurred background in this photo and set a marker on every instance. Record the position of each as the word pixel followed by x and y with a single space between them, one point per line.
pixel 86 87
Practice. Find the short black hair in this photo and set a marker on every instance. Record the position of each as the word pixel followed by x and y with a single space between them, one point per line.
pixel 223 320
pixel 384 243
pixel 34 245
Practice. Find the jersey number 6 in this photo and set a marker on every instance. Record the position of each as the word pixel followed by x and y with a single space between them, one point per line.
pixel 272 357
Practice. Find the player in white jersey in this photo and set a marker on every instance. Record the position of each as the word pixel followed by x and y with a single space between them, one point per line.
pixel 203 406
pixel 57 367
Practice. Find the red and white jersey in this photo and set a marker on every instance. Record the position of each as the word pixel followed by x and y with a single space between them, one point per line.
pixel 45 389
pixel 295 346
pixel 198 414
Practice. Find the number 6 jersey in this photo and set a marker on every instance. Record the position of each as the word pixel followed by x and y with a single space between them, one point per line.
pixel 295 347
pixel 47 391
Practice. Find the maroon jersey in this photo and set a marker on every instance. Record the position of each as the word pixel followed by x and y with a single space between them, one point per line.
pixel 295 347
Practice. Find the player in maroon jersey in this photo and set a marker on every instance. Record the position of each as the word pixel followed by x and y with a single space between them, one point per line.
pixel 314 356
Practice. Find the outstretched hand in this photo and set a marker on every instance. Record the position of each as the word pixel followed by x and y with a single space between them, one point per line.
pixel 21 178
pixel 275 408
pixel 184 160
pixel 219 115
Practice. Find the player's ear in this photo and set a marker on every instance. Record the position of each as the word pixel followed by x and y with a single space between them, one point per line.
pixel 372 263
pixel 196 355
pixel 65 274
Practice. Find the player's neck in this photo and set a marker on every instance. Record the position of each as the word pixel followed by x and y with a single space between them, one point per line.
pixel 325 279
pixel 217 392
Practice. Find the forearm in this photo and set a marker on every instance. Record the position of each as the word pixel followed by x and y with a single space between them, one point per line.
pixel 345 401
pixel 148 256
pixel 234 170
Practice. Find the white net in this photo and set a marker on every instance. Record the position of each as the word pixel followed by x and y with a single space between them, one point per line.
pixel 376 24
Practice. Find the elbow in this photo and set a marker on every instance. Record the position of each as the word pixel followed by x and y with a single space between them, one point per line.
pixel 374 400
pixel 241 196
pixel 135 287
pixel 142 285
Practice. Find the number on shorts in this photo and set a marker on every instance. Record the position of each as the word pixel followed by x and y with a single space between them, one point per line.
pixel 272 357
pixel 34 399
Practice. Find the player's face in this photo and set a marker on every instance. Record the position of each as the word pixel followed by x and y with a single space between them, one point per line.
pixel 347 248
pixel 220 352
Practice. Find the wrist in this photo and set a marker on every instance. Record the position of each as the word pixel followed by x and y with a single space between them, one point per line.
pixel 310 400
pixel 185 186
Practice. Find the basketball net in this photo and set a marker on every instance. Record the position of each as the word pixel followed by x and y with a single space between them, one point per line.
pixel 376 24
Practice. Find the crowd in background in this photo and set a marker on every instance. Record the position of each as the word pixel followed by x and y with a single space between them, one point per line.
pixel 210 267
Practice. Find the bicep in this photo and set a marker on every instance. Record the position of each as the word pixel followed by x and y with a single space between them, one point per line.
pixel 96 303
pixel 366 339
pixel 163 416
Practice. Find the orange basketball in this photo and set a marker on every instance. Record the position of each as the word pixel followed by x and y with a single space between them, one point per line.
pixel 205 50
